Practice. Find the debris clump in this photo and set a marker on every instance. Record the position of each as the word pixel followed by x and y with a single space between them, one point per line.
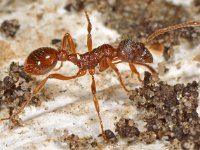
pixel 15 89
pixel 169 111
pixel 10 27
pixel 126 128
pixel 111 136
pixel 77 143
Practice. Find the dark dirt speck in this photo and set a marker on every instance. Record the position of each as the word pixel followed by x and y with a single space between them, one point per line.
pixel 169 111
pixel 10 27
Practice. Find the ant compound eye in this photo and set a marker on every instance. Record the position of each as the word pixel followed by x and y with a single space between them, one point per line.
pixel 41 61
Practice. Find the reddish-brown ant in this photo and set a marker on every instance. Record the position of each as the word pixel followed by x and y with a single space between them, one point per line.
pixel 42 60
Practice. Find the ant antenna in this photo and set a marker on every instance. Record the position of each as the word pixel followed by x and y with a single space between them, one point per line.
pixel 171 28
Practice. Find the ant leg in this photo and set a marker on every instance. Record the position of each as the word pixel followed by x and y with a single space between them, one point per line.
pixel 56 69
pixel 132 67
pixel 89 36
pixel 67 37
pixel 118 74
pixel 153 71
pixel 134 70
pixel 40 86
pixel 96 104
pixel 117 61
pixel 103 64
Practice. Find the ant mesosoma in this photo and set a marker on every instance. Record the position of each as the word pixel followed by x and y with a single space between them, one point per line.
pixel 42 60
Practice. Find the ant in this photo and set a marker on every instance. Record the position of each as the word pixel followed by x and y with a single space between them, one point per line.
pixel 42 60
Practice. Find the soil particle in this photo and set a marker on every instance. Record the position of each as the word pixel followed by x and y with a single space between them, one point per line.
pixel 126 128
pixel 75 6
pixel 17 71
pixel 77 143
pixel 111 136
pixel 167 53
pixel 10 27
pixel 56 42
pixel 148 137
pixel 15 88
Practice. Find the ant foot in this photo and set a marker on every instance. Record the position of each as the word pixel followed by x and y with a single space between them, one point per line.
pixel 15 122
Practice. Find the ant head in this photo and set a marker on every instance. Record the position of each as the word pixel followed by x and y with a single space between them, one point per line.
pixel 134 52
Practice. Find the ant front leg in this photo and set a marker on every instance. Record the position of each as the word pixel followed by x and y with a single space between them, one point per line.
pixel 134 70
pixel 96 103
pixel 153 71
pixel 118 74
pixel 39 87
pixel 132 67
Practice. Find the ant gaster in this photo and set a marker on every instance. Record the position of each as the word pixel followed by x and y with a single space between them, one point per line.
pixel 42 60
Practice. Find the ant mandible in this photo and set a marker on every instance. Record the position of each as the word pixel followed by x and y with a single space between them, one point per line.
pixel 42 60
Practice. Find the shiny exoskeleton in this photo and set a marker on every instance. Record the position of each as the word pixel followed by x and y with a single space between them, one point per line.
pixel 42 60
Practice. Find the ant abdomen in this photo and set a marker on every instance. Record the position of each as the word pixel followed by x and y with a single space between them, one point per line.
pixel 41 61
pixel 133 52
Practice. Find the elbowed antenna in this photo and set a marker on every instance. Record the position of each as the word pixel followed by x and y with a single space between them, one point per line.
pixel 171 28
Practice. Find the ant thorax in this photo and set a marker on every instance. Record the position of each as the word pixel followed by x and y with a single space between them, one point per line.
pixel 133 52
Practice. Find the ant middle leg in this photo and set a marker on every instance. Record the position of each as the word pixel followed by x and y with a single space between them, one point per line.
pixel 96 103
pixel 39 87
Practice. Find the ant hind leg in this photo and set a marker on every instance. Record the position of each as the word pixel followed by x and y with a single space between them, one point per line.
pixel 39 87
pixel 96 103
